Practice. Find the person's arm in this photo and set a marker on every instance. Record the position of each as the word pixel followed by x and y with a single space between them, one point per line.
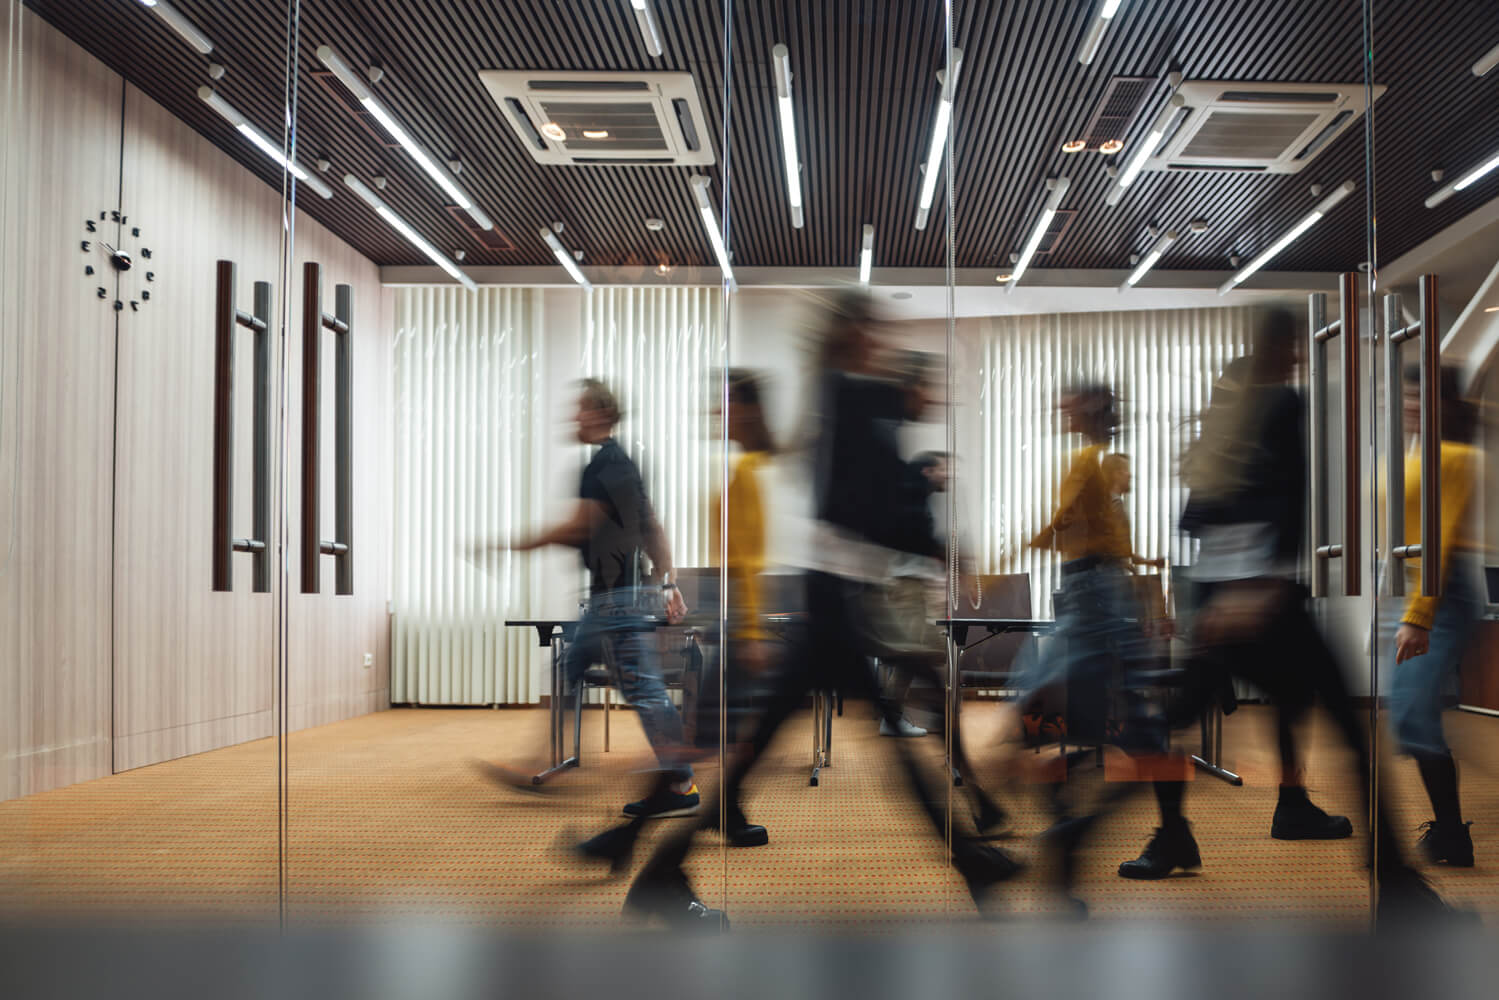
pixel 571 531
pixel 1072 487
pixel 659 552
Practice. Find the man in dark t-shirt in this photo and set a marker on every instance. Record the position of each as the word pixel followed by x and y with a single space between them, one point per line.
pixel 630 582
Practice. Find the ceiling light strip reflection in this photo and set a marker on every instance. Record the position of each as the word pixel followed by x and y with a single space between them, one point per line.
pixel 1161 246
pixel 781 56
pixel 700 186
pixel 1058 189
pixel 866 254
pixel 938 142
pixel 566 259
pixel 370 103
pixel 411 236
pixel 1464 182
pixel 262 142
pixel 1312 218
pixel 178 22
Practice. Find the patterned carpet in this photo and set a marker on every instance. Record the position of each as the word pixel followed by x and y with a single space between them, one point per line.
pixel 388 821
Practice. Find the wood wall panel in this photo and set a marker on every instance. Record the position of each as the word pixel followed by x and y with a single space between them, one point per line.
pixel 56 407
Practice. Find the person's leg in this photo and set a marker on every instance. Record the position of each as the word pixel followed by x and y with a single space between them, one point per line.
pixel 896 688
pixel 1296 816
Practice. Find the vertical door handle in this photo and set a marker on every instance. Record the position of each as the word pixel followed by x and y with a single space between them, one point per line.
pixel 1321 331
pixel 313 546
pixel 1427 330
pixel 226 319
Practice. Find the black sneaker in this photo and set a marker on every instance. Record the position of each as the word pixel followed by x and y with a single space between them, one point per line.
pixel 615 846
pixel 665 804
pixel 1449 844
pixel 1297 818
pixel 669 896
pixel 982 867
pixel 1170 848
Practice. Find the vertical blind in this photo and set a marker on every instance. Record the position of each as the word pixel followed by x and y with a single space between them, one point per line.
pixel 466 426
pixel 659 348
pixel 473 445
pixel 1162 364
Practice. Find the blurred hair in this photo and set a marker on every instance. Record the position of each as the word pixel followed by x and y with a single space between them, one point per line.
pixel 1095 408
pixel 1459 413
pixel 847 316
pixel 745 391
pixel 598 396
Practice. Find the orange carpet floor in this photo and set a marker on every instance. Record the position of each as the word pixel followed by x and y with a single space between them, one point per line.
pixel 387 821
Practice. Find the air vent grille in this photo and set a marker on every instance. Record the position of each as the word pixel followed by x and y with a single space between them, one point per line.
pixel 1055 232
pixel 344 96
pixel 489 239
pixel 1118 110
pixel 1231 135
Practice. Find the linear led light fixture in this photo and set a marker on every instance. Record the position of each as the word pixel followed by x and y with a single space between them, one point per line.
pixel 1485 65
pixel 1058 189
pixel 866 254
pixel 650 31
pixel 565 259
pixel 265 145
pixel 700 186
pixel 179 23
pixel 350 79
pixel 399 225
pixel 1323 207
pixel 1149 260
pixel 1147 147
pixel 1094 38
pixel 939 140
pixel 1464 182
pixel 781 56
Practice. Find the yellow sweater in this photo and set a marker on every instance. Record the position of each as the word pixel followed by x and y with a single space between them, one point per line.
pixel 746 546
pixel 1085 523
pixel 1460 467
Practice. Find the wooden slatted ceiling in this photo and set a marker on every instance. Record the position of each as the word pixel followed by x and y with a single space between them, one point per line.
pixel 865 97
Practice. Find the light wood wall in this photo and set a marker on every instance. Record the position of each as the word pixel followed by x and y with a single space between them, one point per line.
pixel 109 587
pixel 57 353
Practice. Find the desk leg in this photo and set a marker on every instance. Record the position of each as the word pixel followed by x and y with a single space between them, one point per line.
pixel 1212 745
pixel 559 763
pixel 819 710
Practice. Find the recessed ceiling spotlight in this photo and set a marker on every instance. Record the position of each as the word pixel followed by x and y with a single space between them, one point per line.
pixel 1003 276
pixel 1074 146
pixel 459 254
pixel 595 133
pixel 554 132
pixel 1198 225
pixel 215 71
pixel 900 295
pixel 1110 147
pixel 663 269
pixel 374 73
pixel 655 225
pixel 1233 260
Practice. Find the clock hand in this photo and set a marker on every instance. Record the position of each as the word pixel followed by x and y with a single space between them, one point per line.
pixel 112 251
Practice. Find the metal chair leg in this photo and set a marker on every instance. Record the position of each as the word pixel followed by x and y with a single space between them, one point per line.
pixel 608 705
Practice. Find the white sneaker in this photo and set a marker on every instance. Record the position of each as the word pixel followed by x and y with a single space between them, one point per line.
pixel 903 728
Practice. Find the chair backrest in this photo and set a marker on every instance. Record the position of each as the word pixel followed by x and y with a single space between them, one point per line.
pixel 1002 595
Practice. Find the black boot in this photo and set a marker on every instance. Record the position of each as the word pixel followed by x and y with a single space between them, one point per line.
pixel 615 845
pixel 1447 843
pixel 983 867
pixel 1297 818
pixel 669 896
pixel 1064 837
pixel 1171 847
pixel 743 833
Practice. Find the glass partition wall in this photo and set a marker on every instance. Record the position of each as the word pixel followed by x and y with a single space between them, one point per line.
pixel 1428 304
pixel 148 183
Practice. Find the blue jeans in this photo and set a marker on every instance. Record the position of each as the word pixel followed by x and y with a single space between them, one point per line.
pixel 619 617
pixel 1418 686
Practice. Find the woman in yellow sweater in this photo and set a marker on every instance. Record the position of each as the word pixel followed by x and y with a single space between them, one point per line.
pixel 1432 632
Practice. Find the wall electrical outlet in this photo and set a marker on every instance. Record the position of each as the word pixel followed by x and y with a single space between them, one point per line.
pixel 369 660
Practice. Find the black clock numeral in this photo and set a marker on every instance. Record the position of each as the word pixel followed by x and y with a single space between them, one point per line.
pixel 146 295
pixel 146 252
pixel 114 216
pixel 135 230
pixel 119 305
pixel 135 306
pixel 85 246
pixel 103 293
pixel 102 216
pixel 150 275
pixel 89 224
pixel 88 269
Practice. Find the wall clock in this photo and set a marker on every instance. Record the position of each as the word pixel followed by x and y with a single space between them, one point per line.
pixel 115 254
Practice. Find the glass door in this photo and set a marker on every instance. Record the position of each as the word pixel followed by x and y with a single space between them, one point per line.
pixel 1429 314
pixel 148 179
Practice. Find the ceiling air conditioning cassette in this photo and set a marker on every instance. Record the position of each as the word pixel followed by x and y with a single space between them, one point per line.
pixel 1272 128
pixel 604 119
